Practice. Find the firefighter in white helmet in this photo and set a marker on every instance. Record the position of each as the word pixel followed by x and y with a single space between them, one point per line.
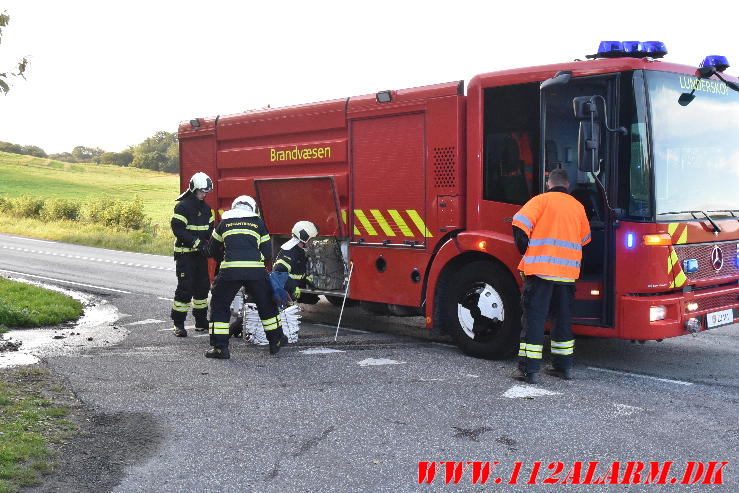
pixel 245 244
pixel 192 224
pixel 289 272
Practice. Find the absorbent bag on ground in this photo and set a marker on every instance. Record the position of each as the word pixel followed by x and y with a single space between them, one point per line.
pixel 254 332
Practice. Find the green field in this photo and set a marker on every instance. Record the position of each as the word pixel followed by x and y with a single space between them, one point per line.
pixel 45 178
pixel 28 175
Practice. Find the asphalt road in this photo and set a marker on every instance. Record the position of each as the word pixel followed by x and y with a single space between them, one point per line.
pixel 361 417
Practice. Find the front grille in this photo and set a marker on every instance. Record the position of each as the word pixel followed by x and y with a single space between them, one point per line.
pixel 702 253
pixel 721 301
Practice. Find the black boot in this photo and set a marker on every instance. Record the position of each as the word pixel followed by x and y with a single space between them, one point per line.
pixel 218 353
pixel 276 339
pixel 201 325
pixel 179 331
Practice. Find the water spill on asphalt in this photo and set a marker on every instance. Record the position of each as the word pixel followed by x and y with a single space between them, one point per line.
pixel 94 329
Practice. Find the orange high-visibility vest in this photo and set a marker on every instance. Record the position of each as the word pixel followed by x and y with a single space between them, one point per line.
pixel 558 228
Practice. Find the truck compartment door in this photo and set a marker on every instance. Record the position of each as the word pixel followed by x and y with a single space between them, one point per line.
pixel 285 201
pixel 389 181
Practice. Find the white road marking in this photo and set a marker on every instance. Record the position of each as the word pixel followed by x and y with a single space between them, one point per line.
pixel 625 409
pixel 471 375
pixel 379 361
pixel 165 299
pixel 321 350
pixel 147 321
pixel 629 374
pixel 66 282
pixel 32 239
pixel 333 327
pixel 92 259
pixel 523 391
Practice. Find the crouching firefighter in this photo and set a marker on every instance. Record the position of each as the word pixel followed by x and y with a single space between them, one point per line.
pixel 289 273
pixel 246 243
pixel 192 224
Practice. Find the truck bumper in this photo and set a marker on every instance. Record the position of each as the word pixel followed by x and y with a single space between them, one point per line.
pixel 683 313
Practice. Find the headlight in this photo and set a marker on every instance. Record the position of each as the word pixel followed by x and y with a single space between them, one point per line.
pixel 657 313
pixel 692 306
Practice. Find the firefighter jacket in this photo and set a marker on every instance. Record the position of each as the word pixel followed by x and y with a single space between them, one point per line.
pixel 293 261
pixel 245 242
pixel 192 224
pixel 557 229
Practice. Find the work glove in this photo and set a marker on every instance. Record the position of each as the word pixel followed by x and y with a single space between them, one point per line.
pixel 277 279
pixel 296 294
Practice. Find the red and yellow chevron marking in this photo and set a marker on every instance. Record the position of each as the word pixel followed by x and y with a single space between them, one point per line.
pixel 675 270
pixel 388 223
pixel 679 234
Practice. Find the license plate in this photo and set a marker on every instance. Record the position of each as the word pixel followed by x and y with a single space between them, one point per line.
pixel 723 317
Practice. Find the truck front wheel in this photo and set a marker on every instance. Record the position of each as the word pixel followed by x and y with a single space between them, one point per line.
pixel 478 305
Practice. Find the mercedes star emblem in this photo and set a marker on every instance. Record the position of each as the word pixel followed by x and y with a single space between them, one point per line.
pixel 717 258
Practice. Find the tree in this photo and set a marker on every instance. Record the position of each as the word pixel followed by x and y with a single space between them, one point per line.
pixel 33 151
pixel 123 158
pixel 20 67
pixel 159 152
pixel 86 154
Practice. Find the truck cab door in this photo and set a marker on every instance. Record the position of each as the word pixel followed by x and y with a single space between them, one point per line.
pixel 594 296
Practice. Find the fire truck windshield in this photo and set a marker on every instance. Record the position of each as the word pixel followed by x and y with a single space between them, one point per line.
pixel 695 148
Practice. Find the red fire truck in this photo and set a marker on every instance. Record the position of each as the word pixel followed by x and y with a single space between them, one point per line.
pixel 415 190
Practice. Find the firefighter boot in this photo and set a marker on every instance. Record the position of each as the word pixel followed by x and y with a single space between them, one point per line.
pixel 564 374
pixel 179 331
pixel 201 325
pixel 276 339
pixel 526 376
pixel 218 353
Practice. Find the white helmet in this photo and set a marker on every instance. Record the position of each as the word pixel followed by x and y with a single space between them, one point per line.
pixel 302 232
pixel 246 203
pixel 199 181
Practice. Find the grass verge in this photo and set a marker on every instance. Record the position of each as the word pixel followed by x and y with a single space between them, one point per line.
pixel 143 241
pixel 31 423
pixel 23 305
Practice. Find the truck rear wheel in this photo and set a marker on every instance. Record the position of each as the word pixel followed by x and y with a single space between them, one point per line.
pixel 478 305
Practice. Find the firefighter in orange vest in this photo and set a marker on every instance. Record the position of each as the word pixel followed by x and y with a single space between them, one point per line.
pixel 550 231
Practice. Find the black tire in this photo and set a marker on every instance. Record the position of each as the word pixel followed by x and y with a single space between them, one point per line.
pixel 458 313
pixel 337 300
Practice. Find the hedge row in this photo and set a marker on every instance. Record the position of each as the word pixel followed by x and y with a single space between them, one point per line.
pixel 119 214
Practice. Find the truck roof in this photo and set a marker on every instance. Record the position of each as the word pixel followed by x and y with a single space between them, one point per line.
pixel 580 68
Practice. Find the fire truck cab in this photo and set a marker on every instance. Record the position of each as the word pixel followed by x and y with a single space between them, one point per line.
pixel 414 191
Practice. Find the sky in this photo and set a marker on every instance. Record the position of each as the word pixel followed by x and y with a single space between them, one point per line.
pixel 109 74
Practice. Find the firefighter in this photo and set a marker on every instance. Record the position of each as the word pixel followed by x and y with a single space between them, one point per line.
pixel 289 273
pixel 192 224
pixel 550 231
pixel 245 242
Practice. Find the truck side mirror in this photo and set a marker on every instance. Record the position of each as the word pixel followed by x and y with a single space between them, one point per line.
pixel 588 145
pixel 584 107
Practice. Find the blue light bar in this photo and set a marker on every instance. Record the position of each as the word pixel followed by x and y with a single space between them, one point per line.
pixel 610 49
pixel 718 61
pixel 629 240
pixel 633 47
pixel 655 49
